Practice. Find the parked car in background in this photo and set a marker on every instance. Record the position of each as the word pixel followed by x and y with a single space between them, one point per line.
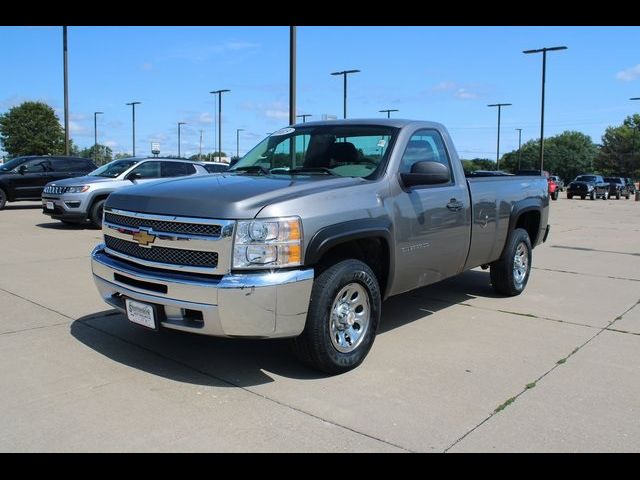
pixel 23 178
pixel 215 167
pixel 592 186
pixel 487 173
pixel 631 186
pixel 76 200
pixel 618 187
pixel 558 181
pixel 553 188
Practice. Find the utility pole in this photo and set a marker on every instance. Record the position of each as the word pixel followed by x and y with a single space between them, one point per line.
pixel 95 135
pixel 344 91
pixel 66 90
pixel 499 105
pixel 292 75
pixel 519 144
pixel 200 151
pixel 389 110
pixel 133 113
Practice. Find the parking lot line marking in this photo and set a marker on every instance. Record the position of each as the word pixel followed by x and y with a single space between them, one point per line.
pixel 595 250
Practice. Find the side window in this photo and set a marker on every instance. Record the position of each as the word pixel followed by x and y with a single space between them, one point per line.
pixel 176 169
pixel 147 170
pixel 425 145
pixel 63 165
pixel 38 165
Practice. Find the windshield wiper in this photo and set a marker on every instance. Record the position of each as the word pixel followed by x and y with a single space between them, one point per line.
pixel 251 169
pixel 328 171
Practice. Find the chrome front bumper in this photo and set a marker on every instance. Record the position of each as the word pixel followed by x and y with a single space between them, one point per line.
pixel 262 305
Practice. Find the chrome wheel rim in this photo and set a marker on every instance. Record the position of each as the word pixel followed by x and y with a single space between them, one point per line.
pixel 350 317
pixel 520 263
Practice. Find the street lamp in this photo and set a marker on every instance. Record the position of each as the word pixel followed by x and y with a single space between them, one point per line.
pixel 66 90
pixel 544 69
pixel 219 93
pixel 519 144
pixel 179 125
pixel 133 112
pixel 389 111
pixel 95 135
pixel 304 116
pixel 238 130
pixel 499 105
pixel 345 73
pixel 292 75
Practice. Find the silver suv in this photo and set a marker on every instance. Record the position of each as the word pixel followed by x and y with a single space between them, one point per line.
pixel 76 200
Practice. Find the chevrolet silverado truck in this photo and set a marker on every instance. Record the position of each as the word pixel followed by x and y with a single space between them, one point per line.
pixel 310 231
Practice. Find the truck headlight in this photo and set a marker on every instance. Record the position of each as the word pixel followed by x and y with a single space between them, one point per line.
pixel 77 189
pixel 268 243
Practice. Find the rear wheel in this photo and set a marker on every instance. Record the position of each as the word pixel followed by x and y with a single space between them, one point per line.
pixel 95 215
pixel 569 196
pixel 554 195
pixel 343 317
pixel 510 273
pixel 593 195
pixel 3 199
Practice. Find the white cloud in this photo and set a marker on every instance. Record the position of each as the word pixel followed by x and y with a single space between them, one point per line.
pixel 77 116
pixel 111 144
pixel 76 129
pixel 205 117
pixel 629 74
pixel 199 53
pixel 444 86
pixel 465 94
pixel 279 114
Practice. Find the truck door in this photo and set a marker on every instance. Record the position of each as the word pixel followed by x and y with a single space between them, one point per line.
pixel 432 221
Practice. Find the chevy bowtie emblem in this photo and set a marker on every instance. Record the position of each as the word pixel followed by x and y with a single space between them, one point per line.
pixel 144 238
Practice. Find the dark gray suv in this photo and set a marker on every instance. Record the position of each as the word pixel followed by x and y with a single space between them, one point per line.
pixel 23 178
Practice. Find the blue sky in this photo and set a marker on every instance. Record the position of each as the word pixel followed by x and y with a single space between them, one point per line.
pixel 444 74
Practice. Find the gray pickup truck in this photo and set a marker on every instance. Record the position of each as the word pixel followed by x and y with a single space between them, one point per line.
pixel 310 231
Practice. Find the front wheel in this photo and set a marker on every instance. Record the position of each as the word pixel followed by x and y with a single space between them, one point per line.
pixel 3 199
pixel 95 215
pixel 554 195
pixel 343 318
pixel 593 195
pixel 569 196
pixel 510 273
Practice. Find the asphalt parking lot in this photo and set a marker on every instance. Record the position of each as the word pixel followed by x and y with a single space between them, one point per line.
pixel 454 368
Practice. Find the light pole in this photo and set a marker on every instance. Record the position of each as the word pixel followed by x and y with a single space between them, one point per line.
pixel 200 151
pixel 179 125
pixel 238 130
pixel 519 144
pixel 389 111
pixel 304 116
pixel 345 73
pixel 544 70
pixel 292 75
pixel 133 113
pixel 219 93
pixel 66 90
pixel 95 135
pixel 499 105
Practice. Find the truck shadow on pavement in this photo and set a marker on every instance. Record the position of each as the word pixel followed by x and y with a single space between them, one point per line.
pixel 66 226
pixel 222 362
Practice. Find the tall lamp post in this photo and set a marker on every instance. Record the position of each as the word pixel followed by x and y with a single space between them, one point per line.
pixel 95 135
pixel 344 93
pixel 219 93
pixel 238 130
pixel 304 116
pixel 519 145
pixel 133 113
pixel 637 127
pixel 66 90
pixel 179 125
pixel 499 105
pixel 544 70
pixel 292 75
pixel 388 111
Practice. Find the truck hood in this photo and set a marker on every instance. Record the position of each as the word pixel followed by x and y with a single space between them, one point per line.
pixel 221 196
pixel 68 182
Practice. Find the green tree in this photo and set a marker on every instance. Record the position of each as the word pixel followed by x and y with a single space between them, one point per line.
pixel 566 155
pixel 100 154
pixel 31 128
pixel 620 150
pixel 478 164
pixel 122 155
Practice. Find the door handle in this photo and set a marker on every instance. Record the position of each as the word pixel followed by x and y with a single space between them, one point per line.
pixel 454 205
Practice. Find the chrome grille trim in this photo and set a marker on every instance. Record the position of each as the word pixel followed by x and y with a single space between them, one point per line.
pixel 55 190
pixel 124 224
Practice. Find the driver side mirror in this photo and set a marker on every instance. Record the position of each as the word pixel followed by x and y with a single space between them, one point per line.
pixel 426 173
pixel 133 176
pixel 22 169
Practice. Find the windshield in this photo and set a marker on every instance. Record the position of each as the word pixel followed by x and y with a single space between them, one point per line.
pixel 113 169
pixel 11 164
pixel 343 150
pixel 585 178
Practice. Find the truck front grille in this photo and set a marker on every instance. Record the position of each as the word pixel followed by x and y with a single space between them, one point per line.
pixel 55 190
pixel 208 230
pixel 170 256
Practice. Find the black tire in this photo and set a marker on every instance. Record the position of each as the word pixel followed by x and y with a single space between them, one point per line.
pixel 95 215
pixel 315 346
pixel 618 196
pixel 3 199
pixel 582 197
pixel 569 196
pixel 593 195
pixel 626 197
pixel 554 195
pixel 503 277
pixel 605 195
